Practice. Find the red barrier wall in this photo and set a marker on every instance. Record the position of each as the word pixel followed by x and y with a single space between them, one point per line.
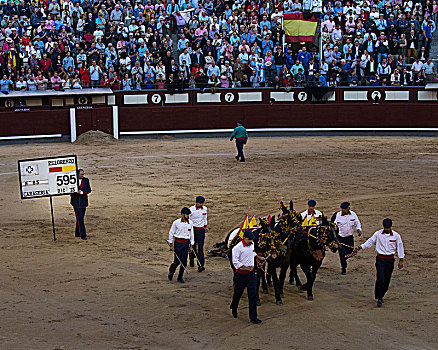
pixel 35 122
pixel 157 110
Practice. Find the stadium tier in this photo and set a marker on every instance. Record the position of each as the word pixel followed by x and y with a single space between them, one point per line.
pixel 180 44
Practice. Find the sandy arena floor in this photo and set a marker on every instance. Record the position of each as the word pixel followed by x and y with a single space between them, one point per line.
pixel 112 292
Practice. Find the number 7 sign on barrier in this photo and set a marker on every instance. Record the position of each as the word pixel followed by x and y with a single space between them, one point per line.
pixel 47 177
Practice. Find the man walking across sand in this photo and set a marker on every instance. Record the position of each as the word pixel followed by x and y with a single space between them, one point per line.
pixel 245 276
pixel 198 217
pixel 241 137
pixel 181 241
pixel 311 215
pixel 347 222
pixel 387 242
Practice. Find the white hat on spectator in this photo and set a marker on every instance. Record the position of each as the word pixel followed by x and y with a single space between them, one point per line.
pixel 141 40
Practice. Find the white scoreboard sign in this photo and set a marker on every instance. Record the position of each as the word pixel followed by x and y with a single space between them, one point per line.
pixel 45 177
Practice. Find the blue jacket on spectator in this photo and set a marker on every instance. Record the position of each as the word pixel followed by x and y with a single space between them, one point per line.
pixel 289 60
pixel 321 82
pixel 304 57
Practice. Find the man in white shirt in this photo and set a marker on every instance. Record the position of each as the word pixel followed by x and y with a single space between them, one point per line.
pixel 185 56
pixel 347 222
pixel 181 240
pixel 387 243
pixel 311 214
pixel 245 276
pixel 199 221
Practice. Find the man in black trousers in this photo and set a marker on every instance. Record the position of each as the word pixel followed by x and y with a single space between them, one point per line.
pixel 245 276
pixel 387 242
pixel 79 201
pixel 241 136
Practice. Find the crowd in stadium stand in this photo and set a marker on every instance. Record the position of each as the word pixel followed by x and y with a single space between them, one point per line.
pixel 180 44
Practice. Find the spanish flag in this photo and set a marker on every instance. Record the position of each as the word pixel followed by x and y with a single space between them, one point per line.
pixel 298 29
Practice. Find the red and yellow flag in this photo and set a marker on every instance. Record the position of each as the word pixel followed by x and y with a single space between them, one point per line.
pixel 252 223
pixel 245 225
pixel 12 60
pixel 298 29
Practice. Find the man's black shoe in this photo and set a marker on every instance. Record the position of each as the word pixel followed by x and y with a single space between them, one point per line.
pixel 379 303
pixel 237 157
pixel 201 268
pixel 84 238
pixel 256 320
pixel 344 272
pixel 192 263
pixel 234 312
pixel 242 161
pixel 170 276
pixel 180 280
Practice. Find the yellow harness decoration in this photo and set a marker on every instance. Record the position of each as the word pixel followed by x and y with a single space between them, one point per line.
pixel 247 225
pixel 311 222
pixel 270 242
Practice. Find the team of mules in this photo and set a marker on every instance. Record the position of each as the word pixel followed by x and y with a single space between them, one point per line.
pixel 285 243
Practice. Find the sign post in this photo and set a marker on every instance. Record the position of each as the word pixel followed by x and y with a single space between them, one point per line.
pixel 48 177
pixel 53 219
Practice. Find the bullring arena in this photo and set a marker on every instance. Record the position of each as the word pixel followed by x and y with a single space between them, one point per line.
pixel 112 291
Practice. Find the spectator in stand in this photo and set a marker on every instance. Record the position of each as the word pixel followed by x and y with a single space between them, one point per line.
pixel 56 81
pixel 374 80
pixel 299 78
pixel 31 83
pixel 417 66
pixel 126 83
pixel 149 82
pixel 405 78
pixel 21 84
pixel 429 70
pixel 95 72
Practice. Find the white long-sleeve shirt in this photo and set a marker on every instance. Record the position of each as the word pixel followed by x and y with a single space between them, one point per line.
pixel 243 255
pixel 199 216
pixel 386 243
pixel 182 229
pixel 317 216
pixel 347 223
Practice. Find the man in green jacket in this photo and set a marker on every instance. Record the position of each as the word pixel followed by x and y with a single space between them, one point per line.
pixel 241 137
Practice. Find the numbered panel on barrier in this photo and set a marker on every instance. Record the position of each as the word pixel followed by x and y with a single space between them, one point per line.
pixel 44 177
